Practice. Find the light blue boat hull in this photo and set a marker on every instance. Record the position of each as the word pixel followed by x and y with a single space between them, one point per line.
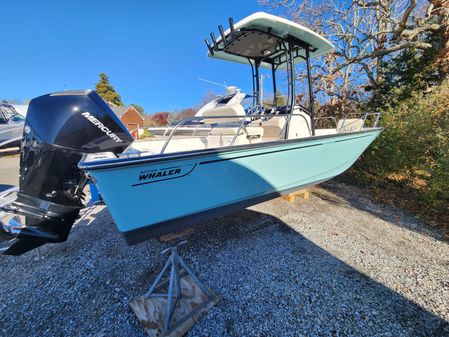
pixel 149 198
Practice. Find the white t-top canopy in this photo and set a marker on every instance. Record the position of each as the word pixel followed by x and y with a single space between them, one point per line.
pixel 272 25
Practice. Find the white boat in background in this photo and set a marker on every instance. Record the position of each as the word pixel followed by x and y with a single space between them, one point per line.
pixel 197 127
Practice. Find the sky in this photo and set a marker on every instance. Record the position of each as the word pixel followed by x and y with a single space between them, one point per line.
pixel 153 51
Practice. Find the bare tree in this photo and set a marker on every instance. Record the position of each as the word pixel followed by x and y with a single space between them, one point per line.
pixel 365 33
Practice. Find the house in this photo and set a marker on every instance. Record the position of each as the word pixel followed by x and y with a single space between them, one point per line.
pixel 130 117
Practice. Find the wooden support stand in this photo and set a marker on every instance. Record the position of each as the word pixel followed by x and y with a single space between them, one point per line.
pixel 151 311
pixel 305 194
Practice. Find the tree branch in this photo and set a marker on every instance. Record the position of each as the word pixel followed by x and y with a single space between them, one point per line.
pixel 381 52
pixel 405 18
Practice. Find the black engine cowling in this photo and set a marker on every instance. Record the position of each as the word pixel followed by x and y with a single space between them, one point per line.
pixel 60 128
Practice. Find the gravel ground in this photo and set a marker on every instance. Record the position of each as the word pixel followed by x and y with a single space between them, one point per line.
pixel 335 265
pixel 9 171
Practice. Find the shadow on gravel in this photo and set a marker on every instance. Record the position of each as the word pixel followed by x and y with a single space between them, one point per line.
pixel 349 196
pixel 301 285
pixel 272 281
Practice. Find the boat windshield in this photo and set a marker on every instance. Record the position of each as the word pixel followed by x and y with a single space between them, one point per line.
pixel 225 99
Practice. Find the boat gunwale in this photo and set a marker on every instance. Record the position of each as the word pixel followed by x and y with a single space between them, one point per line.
pixel 136 161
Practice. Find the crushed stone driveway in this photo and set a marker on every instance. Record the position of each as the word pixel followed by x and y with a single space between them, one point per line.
pixel 9 171
pixel 336 264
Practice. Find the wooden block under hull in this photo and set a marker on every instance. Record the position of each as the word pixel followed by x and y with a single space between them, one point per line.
pixel 290 197
pixel 151 312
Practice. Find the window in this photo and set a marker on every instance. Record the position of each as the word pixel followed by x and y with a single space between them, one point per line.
pixel 7 111
pixel 17 118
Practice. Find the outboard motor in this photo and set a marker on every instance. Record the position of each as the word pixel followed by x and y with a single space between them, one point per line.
pixel 60 129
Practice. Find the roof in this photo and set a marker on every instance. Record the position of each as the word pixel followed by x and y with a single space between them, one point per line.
pixel 277 27
pixel 120 110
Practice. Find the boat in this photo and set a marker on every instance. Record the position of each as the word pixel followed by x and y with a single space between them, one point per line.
pixel 154 187
pixel 198 127
pixel 11 126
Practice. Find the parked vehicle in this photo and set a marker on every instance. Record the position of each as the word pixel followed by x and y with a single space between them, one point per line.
pixel 11 126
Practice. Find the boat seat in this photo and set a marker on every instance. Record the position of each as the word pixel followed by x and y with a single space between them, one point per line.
pixel 299 126
pixel 350 125
pixel 224 131
pixel 254 131
pixel 233 111
pixel 271 128
pixel 223 136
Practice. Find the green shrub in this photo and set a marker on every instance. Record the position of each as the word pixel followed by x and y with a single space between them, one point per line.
pixel 146 134
pixel 415 144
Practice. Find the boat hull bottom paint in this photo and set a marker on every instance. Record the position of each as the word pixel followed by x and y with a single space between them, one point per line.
pixel 148 198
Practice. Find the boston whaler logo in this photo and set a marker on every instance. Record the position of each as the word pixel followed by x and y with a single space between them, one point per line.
pixel 102 127
pixel 154 175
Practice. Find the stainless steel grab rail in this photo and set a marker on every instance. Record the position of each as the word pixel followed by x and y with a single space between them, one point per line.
pixel 326 117
pixel 365 116
pixel 241 119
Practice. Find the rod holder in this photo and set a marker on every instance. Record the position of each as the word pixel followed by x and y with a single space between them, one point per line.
pixel 214 40
pixel 231 26
pixel 223 37
pixel 211 50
